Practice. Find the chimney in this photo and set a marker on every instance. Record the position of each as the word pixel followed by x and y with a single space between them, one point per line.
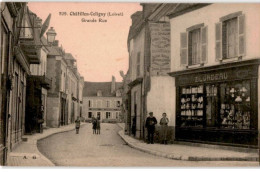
pixel 148 9
pixel 135 17
pixel 113 84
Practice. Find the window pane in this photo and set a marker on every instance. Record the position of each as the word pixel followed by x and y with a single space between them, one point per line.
pixel 231 37
pixel 194 47
pixel 235 105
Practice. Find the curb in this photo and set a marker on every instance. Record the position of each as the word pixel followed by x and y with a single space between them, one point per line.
pixel 44 137
pixel 38 154
pixel 184 158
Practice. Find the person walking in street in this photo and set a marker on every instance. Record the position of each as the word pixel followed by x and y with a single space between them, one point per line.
pixel 98 126
pixel 150 125
pixel 77 125
pixel 94 125
pixel 164 127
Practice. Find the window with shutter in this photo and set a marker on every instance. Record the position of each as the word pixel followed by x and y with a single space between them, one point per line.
pixel 184 49
pixel 204 44
pixel 230 36
pixel 194 49
pixel 218 28
pixel 241 35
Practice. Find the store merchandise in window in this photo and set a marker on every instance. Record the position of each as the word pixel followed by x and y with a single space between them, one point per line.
pixel 235 105
pixel 192 106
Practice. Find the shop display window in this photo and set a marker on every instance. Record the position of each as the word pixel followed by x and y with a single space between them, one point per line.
pixel 235 105
pixel 192 106
pixel 222 105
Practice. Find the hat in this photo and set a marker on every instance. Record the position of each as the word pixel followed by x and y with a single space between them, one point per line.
pixel 150 113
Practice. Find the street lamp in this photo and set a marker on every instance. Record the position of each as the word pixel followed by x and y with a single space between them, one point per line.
pixel 51 35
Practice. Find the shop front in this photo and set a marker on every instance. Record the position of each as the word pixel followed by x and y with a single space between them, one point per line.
pixel 218 104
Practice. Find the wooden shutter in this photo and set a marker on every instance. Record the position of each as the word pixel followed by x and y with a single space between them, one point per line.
pixel 241 35
pixel 184 49
pixel 204 44
pixel 218 49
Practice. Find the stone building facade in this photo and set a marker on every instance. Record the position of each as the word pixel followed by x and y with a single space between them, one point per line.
pixel 102 100
pixel 18 52
pixel 215 67
pixel 150 87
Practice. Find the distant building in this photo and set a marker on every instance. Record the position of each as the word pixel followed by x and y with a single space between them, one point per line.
pixel 102 100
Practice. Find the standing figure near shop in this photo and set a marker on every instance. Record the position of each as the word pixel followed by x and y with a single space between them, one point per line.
pixel 94 125
pixel 164 126
pixel 77 125
pixel 150 125
pixel 98 126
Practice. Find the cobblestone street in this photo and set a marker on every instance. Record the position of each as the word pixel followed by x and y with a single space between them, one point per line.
pixel 108 149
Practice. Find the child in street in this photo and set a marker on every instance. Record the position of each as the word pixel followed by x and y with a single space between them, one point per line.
pixel 77 125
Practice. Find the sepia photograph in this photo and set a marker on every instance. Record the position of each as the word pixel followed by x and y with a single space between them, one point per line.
pixel 130 84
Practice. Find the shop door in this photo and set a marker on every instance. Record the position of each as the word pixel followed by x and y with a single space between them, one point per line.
pixel 211 105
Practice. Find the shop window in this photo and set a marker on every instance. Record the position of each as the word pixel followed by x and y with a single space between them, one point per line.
pixel 89 114
pixel 192 106
pixel 224 105
pixel 193 45
pixel 211 105
pixel 235 105
pixel 230 36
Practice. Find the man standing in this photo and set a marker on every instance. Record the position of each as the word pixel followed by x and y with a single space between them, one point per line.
pixel 150 125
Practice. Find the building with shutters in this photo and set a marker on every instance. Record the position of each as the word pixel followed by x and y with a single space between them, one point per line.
pixel 20 46
pixel 151 89
pixel 215 59
pixel 102 100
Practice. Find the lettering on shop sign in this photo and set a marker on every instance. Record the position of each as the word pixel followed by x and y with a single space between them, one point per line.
pixel 160 48
pixel 211 77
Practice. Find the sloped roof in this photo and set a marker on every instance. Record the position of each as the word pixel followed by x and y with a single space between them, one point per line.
pixel 91 88
pixel 163 10
pixel 68 56
pixel 186 7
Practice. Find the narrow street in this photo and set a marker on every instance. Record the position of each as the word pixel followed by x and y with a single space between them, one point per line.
pixel 108 149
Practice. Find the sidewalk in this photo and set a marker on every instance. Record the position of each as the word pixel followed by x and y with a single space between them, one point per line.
pixel 27 153
pixel 186 152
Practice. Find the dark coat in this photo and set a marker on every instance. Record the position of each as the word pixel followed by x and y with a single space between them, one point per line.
pixel 77 123
pixel 150 122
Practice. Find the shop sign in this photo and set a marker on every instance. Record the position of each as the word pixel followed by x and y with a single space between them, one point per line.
pixel 211 77
pixel 236 73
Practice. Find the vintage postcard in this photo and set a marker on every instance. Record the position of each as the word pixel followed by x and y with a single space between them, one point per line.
pixel 130 84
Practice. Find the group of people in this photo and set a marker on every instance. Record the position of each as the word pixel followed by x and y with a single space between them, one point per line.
pixel 150 125
pixel 95 125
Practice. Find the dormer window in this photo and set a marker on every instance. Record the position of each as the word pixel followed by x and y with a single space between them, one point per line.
pixel 118 93
pixel 99 93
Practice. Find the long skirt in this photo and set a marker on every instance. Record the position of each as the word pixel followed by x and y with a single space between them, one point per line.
pixel 164 132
